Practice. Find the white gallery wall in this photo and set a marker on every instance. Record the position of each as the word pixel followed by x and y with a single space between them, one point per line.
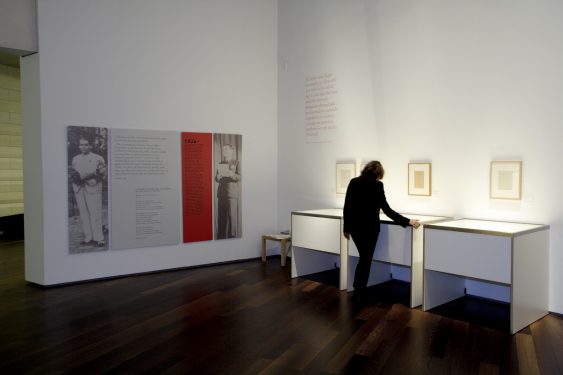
pixel 458 84
pixel 322 39
pixel 200 66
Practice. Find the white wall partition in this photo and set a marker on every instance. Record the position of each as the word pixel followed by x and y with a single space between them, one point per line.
pixel 33 171
pixel 455 84
pixel 173 65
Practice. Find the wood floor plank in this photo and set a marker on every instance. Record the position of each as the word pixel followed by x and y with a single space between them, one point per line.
pixel 488 369
pixel 394 321
pixel 351 346
pixel 548 347
pixel 527 361
pixel 412 353
pixel 458 347
pixel 391 336
pixel 250 318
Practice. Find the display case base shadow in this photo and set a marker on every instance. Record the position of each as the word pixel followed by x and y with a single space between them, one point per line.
pixel 392 291
pixel 477 311
pixel 329 277
pixel 474 310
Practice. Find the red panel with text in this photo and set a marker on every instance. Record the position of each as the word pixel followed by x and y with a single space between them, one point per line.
pixel 197 188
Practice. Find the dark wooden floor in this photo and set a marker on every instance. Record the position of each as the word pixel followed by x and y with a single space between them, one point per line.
pixel 248 318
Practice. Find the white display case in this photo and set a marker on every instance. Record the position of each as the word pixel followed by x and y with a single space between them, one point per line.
pixel 398 255
pixel 318 243
pixel 510 255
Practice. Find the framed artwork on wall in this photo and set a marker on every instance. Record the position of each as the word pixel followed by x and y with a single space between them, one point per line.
pixel 506 180
pixel 344 173
pixel 420 179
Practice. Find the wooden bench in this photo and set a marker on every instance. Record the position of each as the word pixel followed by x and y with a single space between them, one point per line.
pixel 283 239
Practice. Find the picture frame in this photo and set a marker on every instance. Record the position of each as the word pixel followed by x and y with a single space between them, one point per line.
pixel 505 180
pixel 420 179
pixel 344 173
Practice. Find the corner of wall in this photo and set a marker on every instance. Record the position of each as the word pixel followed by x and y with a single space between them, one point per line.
pixel 33 171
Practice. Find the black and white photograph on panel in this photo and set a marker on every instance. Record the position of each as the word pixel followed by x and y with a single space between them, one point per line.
pixel 87 150
pixel 227 155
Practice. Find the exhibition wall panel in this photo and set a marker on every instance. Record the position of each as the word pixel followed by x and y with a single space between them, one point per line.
pixel 197 192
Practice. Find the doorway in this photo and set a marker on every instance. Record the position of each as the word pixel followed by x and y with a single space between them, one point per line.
pixel 11 149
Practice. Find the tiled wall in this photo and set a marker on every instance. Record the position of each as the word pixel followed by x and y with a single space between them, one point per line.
pixel 11 169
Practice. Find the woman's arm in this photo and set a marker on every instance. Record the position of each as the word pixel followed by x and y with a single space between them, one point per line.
pixel 396 217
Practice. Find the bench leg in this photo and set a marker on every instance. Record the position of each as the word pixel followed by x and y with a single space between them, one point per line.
pixel 283 252
pixel 263 249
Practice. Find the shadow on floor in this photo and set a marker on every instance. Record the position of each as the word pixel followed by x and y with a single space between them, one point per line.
pixel 478 311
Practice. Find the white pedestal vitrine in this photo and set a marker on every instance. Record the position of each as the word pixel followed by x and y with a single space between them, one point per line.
pixel 318 243
pixel 398 255
pixel 513 256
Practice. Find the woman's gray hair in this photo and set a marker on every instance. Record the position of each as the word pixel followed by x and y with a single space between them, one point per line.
pixel 373 169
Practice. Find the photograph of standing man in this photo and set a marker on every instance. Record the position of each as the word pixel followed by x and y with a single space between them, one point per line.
pixel 87 174
pixel 228 185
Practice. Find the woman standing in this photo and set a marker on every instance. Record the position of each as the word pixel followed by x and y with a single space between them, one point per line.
pixel 365 197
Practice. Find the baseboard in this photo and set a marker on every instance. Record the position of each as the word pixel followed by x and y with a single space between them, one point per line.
pixel 147 273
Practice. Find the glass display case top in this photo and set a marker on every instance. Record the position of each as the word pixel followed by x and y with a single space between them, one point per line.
pixel 337 213
pixel 488 227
